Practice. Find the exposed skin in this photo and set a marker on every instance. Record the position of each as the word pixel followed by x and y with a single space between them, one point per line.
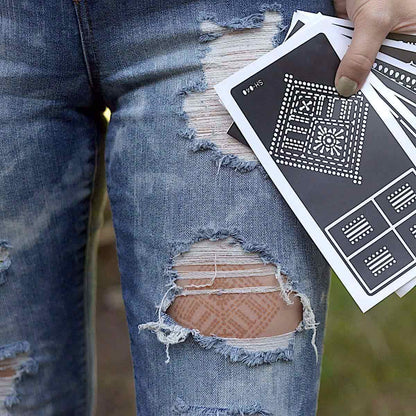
pixel 373 20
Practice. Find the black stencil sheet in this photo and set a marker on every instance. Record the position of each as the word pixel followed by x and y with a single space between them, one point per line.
pixel 339 158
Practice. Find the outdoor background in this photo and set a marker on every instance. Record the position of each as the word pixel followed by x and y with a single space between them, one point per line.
pixel 369 362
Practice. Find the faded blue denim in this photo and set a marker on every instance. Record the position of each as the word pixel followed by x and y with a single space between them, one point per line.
pixel 61 64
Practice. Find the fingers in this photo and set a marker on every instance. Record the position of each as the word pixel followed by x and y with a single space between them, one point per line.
pixel 354 68
pixel 341 8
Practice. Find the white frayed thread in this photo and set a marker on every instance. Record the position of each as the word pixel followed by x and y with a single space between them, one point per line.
pixel 223 274
pixel 166 333
pixel 220 163
pixel 261 344
pixel 309 321
pixel 248 289
pixel 212 279
pixel 227 252
pixel 285 288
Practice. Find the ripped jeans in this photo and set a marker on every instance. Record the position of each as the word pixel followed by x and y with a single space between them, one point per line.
pixel 224 291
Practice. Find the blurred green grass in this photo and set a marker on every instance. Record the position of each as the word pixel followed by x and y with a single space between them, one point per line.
pixel 369 359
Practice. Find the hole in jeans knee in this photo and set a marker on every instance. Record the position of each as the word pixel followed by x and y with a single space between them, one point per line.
pixel 231 293
pixel 231 296
pixel 221 53
pixel 14 364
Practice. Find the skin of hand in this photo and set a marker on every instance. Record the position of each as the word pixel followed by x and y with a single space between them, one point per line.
pixel 373 20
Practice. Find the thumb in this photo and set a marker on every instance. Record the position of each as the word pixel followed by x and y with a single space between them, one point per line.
pixel 354 68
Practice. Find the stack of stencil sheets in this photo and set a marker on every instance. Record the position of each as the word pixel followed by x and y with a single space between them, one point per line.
pixel 346 166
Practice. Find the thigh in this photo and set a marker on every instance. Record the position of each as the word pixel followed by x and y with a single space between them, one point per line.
pixel 48 138
pixel 216 270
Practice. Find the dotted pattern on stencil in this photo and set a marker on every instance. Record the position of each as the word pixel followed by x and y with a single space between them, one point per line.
pixel 402 197
pixel 395 75
pixel 351 234
pixel 299 153
pixel 380 261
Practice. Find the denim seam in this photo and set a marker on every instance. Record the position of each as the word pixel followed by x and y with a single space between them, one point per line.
pixel 88 46
pixel 82 39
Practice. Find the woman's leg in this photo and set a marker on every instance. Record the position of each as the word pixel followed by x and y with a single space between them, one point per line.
pixel 49 135
pixel 206 243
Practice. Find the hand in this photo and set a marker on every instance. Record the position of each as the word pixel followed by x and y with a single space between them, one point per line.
pixel 373 20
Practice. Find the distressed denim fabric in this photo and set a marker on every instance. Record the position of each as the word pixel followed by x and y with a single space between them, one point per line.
pixel 171 184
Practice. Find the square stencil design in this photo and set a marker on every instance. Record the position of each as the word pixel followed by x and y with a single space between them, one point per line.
pixel 402 197
pixel 357 228
pixel 399 199
pixel 380 261
pixel 320 131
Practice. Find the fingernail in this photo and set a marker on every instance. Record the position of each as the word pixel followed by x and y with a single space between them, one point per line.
pixel 346 86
